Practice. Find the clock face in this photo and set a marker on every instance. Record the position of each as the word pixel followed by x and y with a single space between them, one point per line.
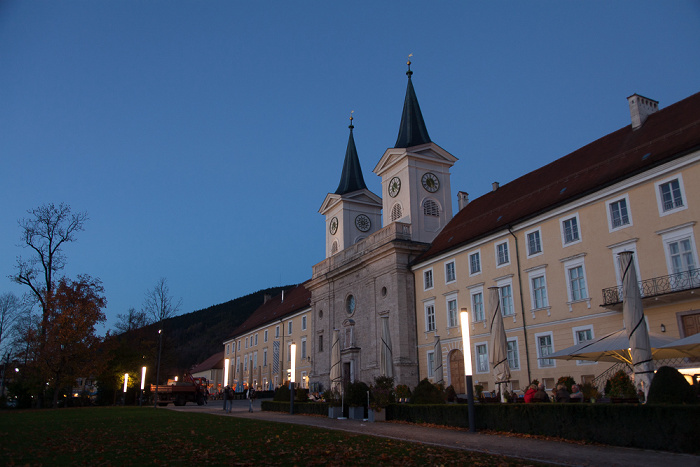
pixel 333 228
pixel 363 223
pixel 394 187
pixel 430 182
pixel 350 304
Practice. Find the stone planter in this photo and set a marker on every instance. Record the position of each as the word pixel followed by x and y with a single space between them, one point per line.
pixel 335 412
pixel 376 416
pixel 356 413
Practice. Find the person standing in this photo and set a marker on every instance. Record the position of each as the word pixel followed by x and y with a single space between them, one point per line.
pixel 251 398
pixel 226 389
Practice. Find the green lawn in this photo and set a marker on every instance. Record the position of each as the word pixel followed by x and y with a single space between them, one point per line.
pixel 145 436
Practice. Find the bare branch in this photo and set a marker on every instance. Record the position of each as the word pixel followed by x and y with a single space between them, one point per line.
pixel 159 304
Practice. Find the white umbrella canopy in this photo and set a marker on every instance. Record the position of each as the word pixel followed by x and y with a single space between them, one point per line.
pixel 633 316
pixel 686 347
pixel 335 361
pixel 386 358
pixel 437 352
pixel 614 347
pixel 499 344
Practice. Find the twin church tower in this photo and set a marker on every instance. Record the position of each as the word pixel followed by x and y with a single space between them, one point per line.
pixel 363 292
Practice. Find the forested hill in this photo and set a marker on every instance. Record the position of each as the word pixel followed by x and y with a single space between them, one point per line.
pixel 192 338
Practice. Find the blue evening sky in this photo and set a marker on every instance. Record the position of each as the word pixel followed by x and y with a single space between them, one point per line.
pixel 202 136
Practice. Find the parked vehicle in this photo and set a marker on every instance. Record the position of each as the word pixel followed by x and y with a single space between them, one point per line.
pixel 180 393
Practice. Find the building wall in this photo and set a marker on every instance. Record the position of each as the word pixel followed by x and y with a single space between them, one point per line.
pixel 647 233
pixel 248 361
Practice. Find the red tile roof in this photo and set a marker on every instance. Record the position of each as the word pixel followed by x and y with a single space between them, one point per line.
pixel 667 134
pixel 295 299
pixel 215 361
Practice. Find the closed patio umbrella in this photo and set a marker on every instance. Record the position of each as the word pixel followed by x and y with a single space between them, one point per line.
pixel 386 357
pixel 499 344
pixel 437 352
pixel 633 316
pixel 335 362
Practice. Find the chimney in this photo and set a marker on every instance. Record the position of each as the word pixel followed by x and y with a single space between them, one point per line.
pixel 462 199
pixel 283 296
pixel 494 186
pixel 266 298
pixel 640 108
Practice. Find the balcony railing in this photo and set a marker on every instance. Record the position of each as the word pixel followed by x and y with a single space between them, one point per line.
pixel 657 286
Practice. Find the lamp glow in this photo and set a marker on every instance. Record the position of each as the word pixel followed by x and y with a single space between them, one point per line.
pixel 126 380
pixel 294 360
pixel 464 321
pixel 226 364
pixel 143 377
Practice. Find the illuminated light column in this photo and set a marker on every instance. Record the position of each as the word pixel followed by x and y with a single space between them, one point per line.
pixel 293 354
pixel 466 344
pixel 143 383
pixel 226 364
pixel 126 380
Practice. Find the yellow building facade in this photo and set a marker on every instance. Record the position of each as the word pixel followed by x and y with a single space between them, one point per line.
pixel 549 241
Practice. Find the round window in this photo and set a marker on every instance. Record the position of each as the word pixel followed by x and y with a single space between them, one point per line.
pixel 350 304
pixel 383 291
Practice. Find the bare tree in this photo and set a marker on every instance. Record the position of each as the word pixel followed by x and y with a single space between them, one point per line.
pixel 45 232
pixel 131 320
pixel 9 311
pixel 158 303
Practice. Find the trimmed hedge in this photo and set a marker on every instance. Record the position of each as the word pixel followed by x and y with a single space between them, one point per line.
pixel 664 428
pixel 310 408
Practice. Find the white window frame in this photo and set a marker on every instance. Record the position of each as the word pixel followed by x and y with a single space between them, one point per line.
pixel 478 368
pixel 428 277
pixel 452 323
pixel 429 308
pixel 265 357
pixel 562 220
pixel 659 199
pixel 290 327
pixel 256 339
pixel 277 331
pixel 511 304
pixel 533 274
pixel 239 345
pixel 228 349
pixel 575 330
pixel 454 272
pixel 539 349
pixel 609 215
pixel 254 365
pixel 538 231
pixel 303 347
pixel 516 352
pixel 246 342
pixel 475 317
pixel 245 363
pixel 303 323
pixel 678 234
pixel 265 335
pixel 476 253
pixel 497 256
pixel 430 360
pixel 573 263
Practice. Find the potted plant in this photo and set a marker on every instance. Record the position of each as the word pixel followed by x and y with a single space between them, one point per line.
pixel 356 398
pixel 620 388
pixel 402 393
pixel 381 395
pixel 332 397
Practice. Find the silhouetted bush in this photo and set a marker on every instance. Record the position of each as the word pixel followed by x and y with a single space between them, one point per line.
pixel 670 387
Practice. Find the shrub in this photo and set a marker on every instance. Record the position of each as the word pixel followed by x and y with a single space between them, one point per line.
pixel 356 395
pixel 402 391
pixel 589 392
pixel 427 393
pixel 620 385
pixel 478 389
pixel 382 392
pixel 450 393
pixel 332 398
pixel 301 394
pixel 669 386
pixel 282 394
pixel 567 381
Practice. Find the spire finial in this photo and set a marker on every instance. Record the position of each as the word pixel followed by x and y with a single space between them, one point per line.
pixel 351 126
pixel 409 72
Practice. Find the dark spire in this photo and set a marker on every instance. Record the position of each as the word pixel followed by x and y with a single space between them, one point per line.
pixel 351 179
pixel 412 131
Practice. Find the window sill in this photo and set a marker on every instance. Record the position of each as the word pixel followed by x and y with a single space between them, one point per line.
pixel 587 300
pixel 548 308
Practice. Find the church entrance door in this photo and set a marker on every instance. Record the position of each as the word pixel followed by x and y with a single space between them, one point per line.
pixel 457 371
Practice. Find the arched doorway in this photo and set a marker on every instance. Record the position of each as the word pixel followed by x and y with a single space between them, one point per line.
pixel 457 371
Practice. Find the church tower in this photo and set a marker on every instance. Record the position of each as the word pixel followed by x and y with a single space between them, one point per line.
pixel 353 212
pixel 416 175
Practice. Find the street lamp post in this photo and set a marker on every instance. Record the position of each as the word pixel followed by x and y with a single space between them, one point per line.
pixel 293 355
pixel 464 318
pixel 143 383
pixel 160 346
pixel 126 382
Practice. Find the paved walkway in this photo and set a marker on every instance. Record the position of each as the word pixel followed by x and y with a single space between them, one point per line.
pixel 555 452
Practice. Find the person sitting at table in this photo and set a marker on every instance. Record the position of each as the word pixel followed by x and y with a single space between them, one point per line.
pixel 531 390
pixel 576 394
pixel 562 395
pixel 540 395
